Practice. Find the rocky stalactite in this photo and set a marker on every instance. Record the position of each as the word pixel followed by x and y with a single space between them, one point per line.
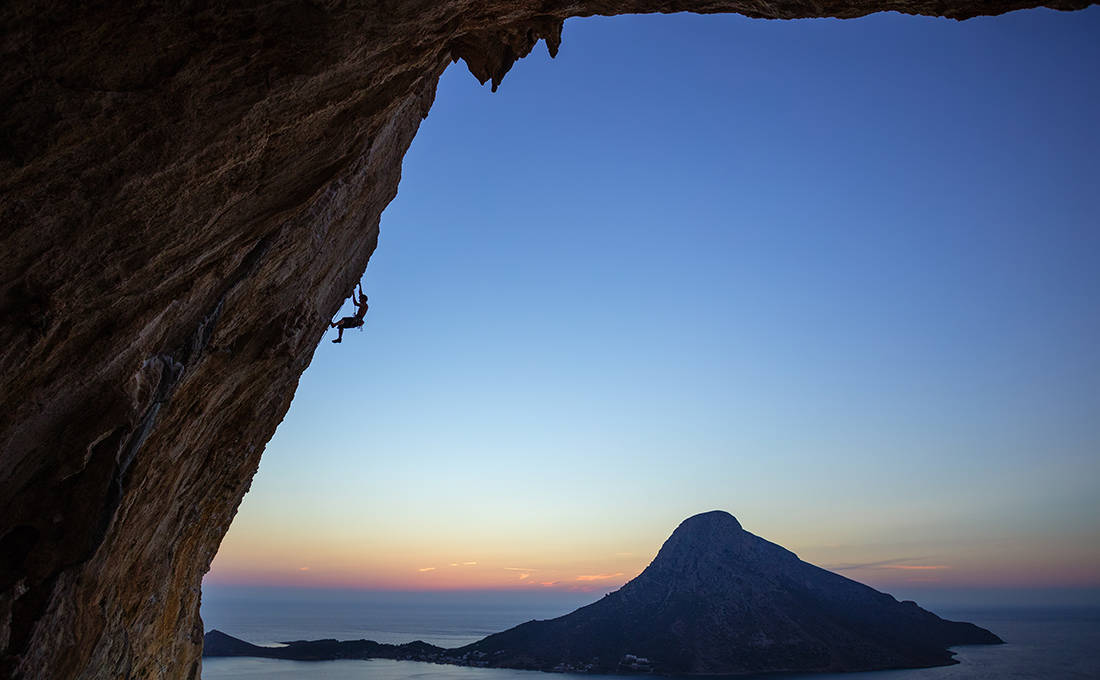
pixel 188 191
pixel 490 54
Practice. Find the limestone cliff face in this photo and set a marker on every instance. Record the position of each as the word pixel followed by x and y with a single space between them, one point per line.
pixel 188 190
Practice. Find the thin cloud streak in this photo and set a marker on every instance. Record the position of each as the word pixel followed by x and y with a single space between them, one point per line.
pixel 872 565
pixel 598 577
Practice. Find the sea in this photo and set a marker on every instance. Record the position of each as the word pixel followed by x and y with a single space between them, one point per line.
pixel 1049 643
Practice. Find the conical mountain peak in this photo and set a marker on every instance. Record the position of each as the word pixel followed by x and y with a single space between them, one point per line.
pixel 715 520
pixel 719 600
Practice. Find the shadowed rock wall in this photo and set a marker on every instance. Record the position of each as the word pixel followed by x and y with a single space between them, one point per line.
pixel 188 191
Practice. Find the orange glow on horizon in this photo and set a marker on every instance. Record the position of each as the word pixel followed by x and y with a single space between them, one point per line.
pixel 522 558
pixel 335 569
pixel 373 573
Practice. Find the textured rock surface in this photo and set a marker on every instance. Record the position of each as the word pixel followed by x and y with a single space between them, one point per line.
pixel 718 600
pixel 189 190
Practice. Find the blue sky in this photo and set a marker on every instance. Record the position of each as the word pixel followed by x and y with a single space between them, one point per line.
pixel 839 278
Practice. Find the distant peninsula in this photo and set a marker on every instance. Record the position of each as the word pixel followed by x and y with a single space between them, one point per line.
pixel 716 600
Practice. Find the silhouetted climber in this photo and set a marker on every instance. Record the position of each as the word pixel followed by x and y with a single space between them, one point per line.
pixel 352 321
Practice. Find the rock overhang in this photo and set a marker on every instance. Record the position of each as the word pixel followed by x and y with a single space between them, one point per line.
pixel 189 194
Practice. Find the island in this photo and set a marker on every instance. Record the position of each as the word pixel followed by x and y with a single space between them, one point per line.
pixel 717 600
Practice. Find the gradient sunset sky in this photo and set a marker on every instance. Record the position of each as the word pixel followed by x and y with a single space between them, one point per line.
pixel 839 278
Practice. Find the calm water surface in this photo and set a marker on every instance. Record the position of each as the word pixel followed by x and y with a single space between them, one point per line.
pixel 1055 644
